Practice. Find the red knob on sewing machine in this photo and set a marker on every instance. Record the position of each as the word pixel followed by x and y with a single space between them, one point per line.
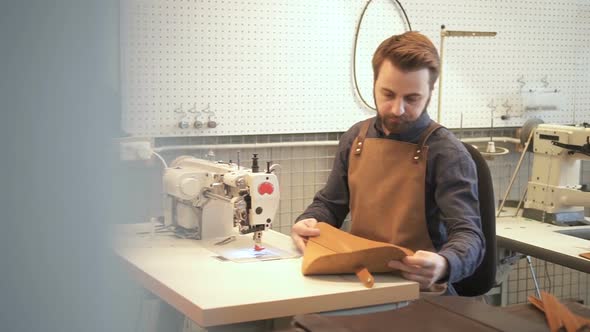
pixel 266 188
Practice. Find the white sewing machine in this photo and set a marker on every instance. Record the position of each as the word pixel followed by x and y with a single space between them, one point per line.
pixel 554 193
pixel 208 199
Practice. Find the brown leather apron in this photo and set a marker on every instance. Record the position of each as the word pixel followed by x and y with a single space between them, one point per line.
pixel 386 180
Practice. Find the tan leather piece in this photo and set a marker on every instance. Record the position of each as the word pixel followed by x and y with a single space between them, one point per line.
pixel 569 320
pixel 365 277
pixel 585 255
pixel 557 314
pixel 536 302
pixel 335 252
pixel 551 312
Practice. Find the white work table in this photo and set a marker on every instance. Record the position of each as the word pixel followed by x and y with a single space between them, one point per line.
pixel 541 240
pixel 212 292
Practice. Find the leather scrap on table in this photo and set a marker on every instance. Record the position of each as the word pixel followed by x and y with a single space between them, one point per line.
pixel 558 316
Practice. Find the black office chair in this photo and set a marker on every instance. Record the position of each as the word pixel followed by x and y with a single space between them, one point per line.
pixel 483 279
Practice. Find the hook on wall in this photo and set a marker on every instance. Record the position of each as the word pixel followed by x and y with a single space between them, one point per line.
pixel 545 81
pixel 193 109
pixel 179 109
pixel 206 109
pixel 521 83
pixel 492 106
pixel 508 108
pixel 184 123
pixel 197 123
pixel 211 123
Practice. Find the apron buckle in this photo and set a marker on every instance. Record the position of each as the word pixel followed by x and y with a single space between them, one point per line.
pixel 359 148
pixel 417 155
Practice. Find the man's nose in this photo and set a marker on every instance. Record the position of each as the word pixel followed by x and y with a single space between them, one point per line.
pixel 398 107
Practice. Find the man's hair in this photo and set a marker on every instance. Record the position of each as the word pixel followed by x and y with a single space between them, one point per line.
pixel 409 51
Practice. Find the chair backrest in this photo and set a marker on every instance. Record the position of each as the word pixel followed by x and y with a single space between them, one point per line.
pixel 483 279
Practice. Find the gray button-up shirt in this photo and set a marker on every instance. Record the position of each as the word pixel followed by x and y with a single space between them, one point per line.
pixel 452 205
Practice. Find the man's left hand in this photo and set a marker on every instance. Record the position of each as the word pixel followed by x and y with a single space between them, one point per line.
pixel 424 267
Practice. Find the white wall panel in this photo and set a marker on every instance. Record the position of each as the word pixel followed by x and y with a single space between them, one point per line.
pixel 280 66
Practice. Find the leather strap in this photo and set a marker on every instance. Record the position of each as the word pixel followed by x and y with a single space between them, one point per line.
pixel 419 153
pixel 365 277
pixel 419 147
pixel 360 139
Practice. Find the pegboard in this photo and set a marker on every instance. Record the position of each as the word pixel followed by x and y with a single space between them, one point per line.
pixel 270 67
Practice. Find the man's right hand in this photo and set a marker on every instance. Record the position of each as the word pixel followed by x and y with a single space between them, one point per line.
pixel 302 230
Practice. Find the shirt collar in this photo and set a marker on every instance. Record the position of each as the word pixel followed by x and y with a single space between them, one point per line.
pixel 411 134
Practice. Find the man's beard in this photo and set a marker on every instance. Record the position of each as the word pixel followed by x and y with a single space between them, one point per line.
pixel 402 123
pixel 398 124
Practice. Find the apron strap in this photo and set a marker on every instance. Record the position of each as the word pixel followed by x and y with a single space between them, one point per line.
pixel 360 139
pixel 419 153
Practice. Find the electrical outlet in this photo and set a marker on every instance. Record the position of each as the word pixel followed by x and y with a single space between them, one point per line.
pixel 140 149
